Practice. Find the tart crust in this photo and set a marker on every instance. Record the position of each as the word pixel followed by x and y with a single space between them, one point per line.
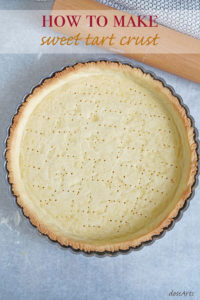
pixel 12 159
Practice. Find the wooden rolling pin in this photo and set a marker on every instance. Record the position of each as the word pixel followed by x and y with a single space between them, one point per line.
pixel 185 63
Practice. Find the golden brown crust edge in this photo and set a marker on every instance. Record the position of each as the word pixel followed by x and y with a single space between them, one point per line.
pixel 116 246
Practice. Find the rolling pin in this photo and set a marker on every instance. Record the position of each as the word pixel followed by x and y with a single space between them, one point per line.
pixel 185 63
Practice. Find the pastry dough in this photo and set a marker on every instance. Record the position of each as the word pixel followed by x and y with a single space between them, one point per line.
pixel 101 156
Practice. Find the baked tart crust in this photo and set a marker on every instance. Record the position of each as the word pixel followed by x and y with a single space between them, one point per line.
pixel 101 157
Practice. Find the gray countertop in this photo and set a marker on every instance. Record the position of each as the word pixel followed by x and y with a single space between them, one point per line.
pixel 32 267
